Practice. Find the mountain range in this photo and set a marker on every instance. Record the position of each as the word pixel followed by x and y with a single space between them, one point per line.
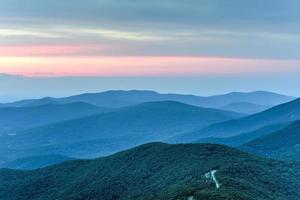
pixel 119 98
pixel 51 129
pixel 283 113
pixel 245 107
pixel 13 119
pixel 241 139
pixel 44 136
pixel 283 144
pixel 125 127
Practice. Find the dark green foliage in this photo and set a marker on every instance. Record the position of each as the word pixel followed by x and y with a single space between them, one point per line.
pixel 158 171
pixel 283 144
pixel 35 162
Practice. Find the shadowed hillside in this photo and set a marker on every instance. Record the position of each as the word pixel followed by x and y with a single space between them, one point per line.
pixel 280 114
pixel 283 144
pixel 241 139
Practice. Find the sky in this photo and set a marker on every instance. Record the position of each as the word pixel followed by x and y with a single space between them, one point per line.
pixel 193 46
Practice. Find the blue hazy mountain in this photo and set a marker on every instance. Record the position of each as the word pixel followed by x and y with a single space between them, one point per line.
pixel 16 118
pixel 280 114
pixel 153 121
pixel 282 144
pixel 35 162
pixel 79 149
pixel 241 139
pixel 245 107
pixel 158 171
pixel 31 102
pixel 126 98
pixel 257 97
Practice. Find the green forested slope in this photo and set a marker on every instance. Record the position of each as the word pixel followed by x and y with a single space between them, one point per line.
pixel 158 171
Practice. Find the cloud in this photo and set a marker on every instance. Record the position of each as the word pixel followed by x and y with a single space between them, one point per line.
pixel 244 29
pixel 90 41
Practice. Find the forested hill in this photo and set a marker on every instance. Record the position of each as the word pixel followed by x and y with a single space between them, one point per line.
pixel 159 171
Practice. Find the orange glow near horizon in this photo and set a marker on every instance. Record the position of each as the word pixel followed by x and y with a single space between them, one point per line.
pixel 140 66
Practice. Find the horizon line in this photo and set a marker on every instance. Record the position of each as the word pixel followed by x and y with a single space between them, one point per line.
pixel 146 90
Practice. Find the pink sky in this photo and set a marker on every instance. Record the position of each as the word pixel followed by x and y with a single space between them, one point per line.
pixel 140 66
pixel 73 60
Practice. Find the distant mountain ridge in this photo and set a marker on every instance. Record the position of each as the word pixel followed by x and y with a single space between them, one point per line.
pixel 244 138
pixel 283 113
pixel 129 126
pixel 32 102
pixel 120 98
pixel 13 119
pixel 35 162
pixel 283 144
pixel 245 107
pixel 158 171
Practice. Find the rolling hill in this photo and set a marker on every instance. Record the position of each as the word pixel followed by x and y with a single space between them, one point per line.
pixel 31 102
pixel 159 171
pixel 283 144
pixel 257 97
pixel 79 149
pixel 245 107
pixel 280 114
pixel 153 121
pixel 13 119
pixel 241 139
pixel 121 98
pixel 35 162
